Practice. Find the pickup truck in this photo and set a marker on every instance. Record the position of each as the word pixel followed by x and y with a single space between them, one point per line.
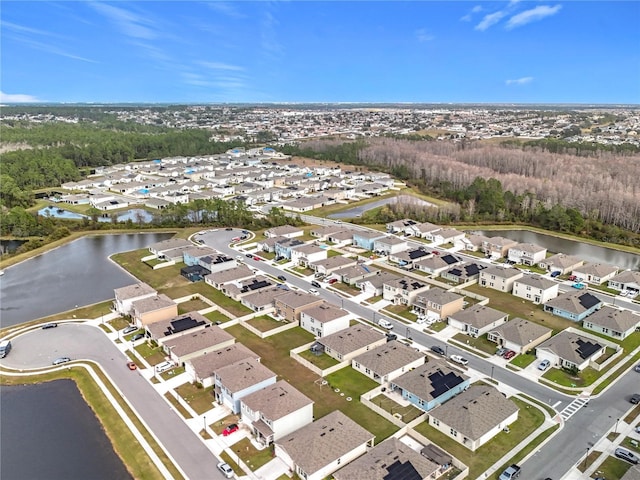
pixel 510 473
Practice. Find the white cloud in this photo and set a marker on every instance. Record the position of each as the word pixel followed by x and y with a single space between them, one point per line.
pixel 533 15
pixel 489 20
pixel 17 98
pixel 129 23
pixel 519 81
pixel 423 35
pixel 222 66
pixel 226 8
pixel 468 16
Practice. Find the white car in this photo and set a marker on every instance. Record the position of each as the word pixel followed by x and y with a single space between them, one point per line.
pixel 421 320
pixel 164 366
pixel 226 470
pixel 459 359
pixel 313 291
pixel 385 324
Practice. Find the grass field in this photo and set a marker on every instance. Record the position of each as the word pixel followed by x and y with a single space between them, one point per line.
pixel 264 323
pixel 408 413
pixel 198 398
pixel 323 361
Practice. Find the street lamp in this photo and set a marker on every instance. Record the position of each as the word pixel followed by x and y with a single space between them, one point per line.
pixel 204 420
pixel 616 430
pixel 446 350
pixel 492 367
pixel 585 458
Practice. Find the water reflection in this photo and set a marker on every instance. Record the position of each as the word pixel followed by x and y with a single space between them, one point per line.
pixel 137 215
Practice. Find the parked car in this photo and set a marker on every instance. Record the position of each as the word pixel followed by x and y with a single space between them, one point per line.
pixel 61 360
pixel 229 429
pixel 129 329
pixel 637 369
pixel 239 258
pixel 510 473
pixel 626 455
pixel 131 366
pixel 436 252
pixel 226 470
pixel 136 337
pixel 509 354
pixel 437 349
pixel 315 284
pixel 635 398
pixel 572 278
pixel 332 281
pixel 282 278
pixel 501 351
pixel 228 229
pixel 421 320
pixel 47 326
pixel 164 366
pixel 385 324
pixel 249 255
pixel 257 259
pixel 544 364
pixel 555 274
pixel 459 359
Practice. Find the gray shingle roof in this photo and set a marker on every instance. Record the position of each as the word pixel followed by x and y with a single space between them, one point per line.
pixel 571 346
pixel 351 339
pixel 388 358
pixel 536 281
pixel 152 304
pixel 277 401
pixel 134 291
pixel 430 380
pixel 573 302
pixel 478 316
pixel 193 342
pixel 521 331
pixel 243 374
pixel 206 365
pixel 328 439
pixel 614 319
pixel 475 412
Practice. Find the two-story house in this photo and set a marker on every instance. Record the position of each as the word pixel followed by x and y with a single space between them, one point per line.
pixel 499 278
pixel 527 254
pixel 438 303
pixel 236 381
pixel 324 319
pixel 403 291
pixel 535 288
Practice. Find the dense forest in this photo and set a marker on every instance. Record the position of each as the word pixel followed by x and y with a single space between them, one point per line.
pixel 595 192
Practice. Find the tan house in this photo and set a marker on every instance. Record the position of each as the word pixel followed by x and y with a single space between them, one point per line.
pixel 388 361
pixel 497 247
pixel 125 296
pixel 202 369
pixel 561 263
pixel 519 335
pixel 194 344
pixel 438 303
pixel 475 416
pixel 499 278
pixel 332 264
pixel 477 320
pixel 291 304
pixel 596 273
pixel 351 342
pixel 153 309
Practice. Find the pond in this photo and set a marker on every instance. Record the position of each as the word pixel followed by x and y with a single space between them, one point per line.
pixel 137 215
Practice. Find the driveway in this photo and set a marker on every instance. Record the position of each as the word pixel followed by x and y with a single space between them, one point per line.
pixel 37 348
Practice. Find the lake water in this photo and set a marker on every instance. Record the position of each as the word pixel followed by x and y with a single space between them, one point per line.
pixel 135 215
pixel 10 246
pixel 358 211
pixel 586 251
pixel 78 273
pixel 47 431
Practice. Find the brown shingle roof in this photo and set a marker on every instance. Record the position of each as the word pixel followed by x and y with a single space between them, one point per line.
pixel 351 339
pixel 243 374
pixel 193 342
pixel 388 358
pixel 276 401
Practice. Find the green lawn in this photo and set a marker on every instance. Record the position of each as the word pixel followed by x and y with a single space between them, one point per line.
pixel 251 456
pixel 217 316
pixel 409 413
pixel 438 326
pixel 566 379
pixel 153 355
pixel 207 291
pixel 348 289
pixel 333 253
pixel 177 405
pixel 274 353
pixel 192 306
pixel 174 372
pixel 529 418
pixel 523 360
pixel 612 467
pixel 264 323
pixel 323 361
pixel 481 343
pixel 198 398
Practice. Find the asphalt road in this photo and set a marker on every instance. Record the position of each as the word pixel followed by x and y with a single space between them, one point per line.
pixel 38 348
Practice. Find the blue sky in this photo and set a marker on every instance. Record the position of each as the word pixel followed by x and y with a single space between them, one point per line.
pixel 331 51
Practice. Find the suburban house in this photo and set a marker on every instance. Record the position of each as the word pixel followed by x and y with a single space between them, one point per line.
pixel 125 296
pixel 374 284
pixel 422 230
pixel 431 384
pixel 519 335
pixel 192 255
pixel 391 459
pixel 403 291
pixel 497 247
pixel 399 226
pixel 596 273
pixel 629 280
pixel 535 288
pixel 388 361
pixel 324 319
pixel 389 245
pixel 464 272
pixel 407 258
pixel 236 381
pixel 196 343
pixel 613 322
pixel 317 450
pixel 180 325
pixel 355 273
pixel 475 416
pixel 561 263
pixel 291 304
pixel 262 299
pixel 322 233
pixel 346 344
pixel 438 303
pixel 446 235
pixel 284 231
pixel 238 289
pixel 217 262
pixel 477 320
pixel 160 249
pixel 153 309
pixel 305 254
pixel 268 244
pixel 332 264
pixel 202 369
pixel 499 278
pixel 275 411
pixel 366 239
pixel 341 238
pixel 575 306
pixel 569 349
pixel 437 264
pixel 472 242
pixel 284 247
pixel 236 274
pixel 527 254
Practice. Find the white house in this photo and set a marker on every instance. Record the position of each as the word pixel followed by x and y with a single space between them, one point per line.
pixel 499 278
pixel 324 319
pixel 477 320
pixel 125 296
pixel 596 273
pixel 535 288
pixel 527 254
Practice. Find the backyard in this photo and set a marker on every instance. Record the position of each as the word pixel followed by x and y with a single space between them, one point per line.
pixel 264 323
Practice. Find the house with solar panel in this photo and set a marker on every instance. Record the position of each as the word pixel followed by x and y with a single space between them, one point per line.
pixel 407 258
pixel 570 349
pixel 284 247
pixel 431 384
pixel 403 290
pixel 575 306
pixel 180 325
pixel 463 273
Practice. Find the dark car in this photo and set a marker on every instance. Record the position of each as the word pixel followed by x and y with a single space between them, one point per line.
pixel 332 281
pixel 437 349
pixel 555 274
pixel 282 278
pixel 509 354
pixel 315 284
pixel 249 255
pixel 129 329
pixel 136 337
pixel 637 369
pixel 635 398
pixel 230 429
pixel 228 229
pixel 47 326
